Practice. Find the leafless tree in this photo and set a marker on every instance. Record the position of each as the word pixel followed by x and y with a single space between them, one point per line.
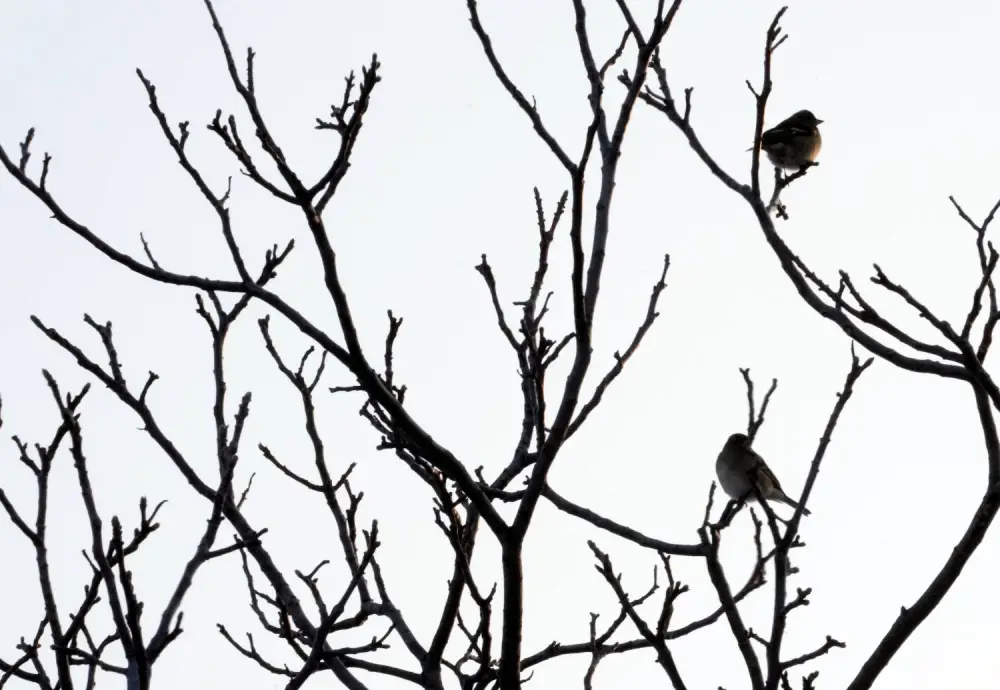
pixel 487 651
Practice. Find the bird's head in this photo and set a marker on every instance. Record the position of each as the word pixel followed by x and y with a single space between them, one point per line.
pixel 806 118
pixel 737 441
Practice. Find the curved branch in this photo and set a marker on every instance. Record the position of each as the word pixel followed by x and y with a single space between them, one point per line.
pixel 909 619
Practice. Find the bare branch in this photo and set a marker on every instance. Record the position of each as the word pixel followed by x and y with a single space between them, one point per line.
pixel 620 360
pixel 622 531
pixel 529 108
pixel 664 657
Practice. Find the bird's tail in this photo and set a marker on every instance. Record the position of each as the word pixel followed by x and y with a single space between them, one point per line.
pixel 785 499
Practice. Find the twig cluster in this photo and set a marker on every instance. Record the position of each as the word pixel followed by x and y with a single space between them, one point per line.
pixel 315 634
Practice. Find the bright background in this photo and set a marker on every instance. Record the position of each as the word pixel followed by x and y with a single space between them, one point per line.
pixel 442 173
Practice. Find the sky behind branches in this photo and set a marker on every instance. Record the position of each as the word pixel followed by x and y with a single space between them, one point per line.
pixel 443 172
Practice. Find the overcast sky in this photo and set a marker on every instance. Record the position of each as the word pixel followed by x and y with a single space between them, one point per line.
pixel 442 173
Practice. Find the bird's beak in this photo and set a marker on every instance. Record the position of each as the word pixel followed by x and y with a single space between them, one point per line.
pixel 819 122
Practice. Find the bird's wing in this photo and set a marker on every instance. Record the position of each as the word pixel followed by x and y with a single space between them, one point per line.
pixel 785 132
pixel 761 468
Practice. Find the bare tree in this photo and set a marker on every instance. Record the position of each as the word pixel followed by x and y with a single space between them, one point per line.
pixel 485 651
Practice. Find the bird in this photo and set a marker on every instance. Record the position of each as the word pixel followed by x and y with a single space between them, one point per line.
pixel 738 464
pixel 794 143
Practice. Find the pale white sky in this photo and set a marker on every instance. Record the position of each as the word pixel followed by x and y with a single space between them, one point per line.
pixel 442 173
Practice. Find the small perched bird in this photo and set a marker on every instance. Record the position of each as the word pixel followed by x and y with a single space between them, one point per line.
pixel 794 143
pixel 738 464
